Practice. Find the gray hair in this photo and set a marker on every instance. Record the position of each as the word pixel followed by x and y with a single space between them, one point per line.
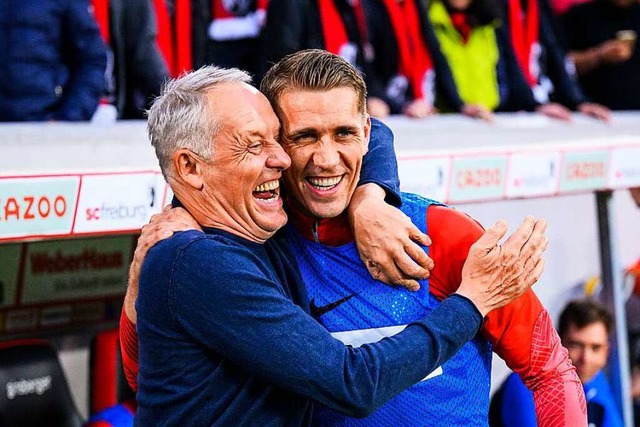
pixel 181 116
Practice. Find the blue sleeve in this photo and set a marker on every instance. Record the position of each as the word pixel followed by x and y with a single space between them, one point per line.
pixel 86 58
pixel 226 299
pixel 518 408
pixel 380 165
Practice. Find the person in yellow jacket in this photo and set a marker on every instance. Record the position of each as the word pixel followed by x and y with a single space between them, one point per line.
pixel 481 58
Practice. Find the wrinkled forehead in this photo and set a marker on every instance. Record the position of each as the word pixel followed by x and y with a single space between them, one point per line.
pixel 239 105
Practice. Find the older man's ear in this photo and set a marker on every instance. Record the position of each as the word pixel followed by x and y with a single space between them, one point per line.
pixel 187 169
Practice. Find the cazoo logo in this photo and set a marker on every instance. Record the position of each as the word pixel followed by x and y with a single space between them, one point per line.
pixel 32 207
pixel 26 387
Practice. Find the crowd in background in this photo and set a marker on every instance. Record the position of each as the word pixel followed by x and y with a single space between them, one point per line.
pixel 102 59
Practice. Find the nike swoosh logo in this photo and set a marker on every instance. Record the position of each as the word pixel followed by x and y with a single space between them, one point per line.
pixel 317 311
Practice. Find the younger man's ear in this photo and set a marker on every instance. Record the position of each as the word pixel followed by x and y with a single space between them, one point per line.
pixel 367 133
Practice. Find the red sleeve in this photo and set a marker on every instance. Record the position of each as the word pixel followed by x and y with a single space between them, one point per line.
pixel 521 332
pixel 129 350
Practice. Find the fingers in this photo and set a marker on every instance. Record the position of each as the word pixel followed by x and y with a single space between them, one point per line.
pixel 417 254
pixel 536 273
pixel 562 114
pixel 408 284
pixel 402 269
pixel 489 240
pixel 152 233
pixel 477 112
pixel 419 237
pixel 515 242
pixel 530 266
pixel 414 263
pixel 407 260
pixel 537 242
pixel 484 114
pixel 390 245
pixel 391 276
pixel 555 111
pixel 487 116
pixel 596 111
pixel 155 218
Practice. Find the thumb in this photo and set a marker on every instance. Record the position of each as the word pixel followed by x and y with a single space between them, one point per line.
pixel 492 236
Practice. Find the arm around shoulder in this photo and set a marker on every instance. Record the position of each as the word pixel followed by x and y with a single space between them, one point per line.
pixel 252 322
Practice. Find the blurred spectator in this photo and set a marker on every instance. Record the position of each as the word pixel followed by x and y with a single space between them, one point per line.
pixel 601 40
pixel 407 63
pixel 482 59
pixel 136 67
pixel 542 59
pixel 53 60
pixel 235 33
pixel 337 26
pixel 174 22
pixel 200 21
pixel 584 328
pixel 182 33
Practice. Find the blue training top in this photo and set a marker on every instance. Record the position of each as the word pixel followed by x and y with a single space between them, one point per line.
pixel 357 309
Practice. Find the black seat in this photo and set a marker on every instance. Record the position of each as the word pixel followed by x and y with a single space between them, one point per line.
pixel 33 388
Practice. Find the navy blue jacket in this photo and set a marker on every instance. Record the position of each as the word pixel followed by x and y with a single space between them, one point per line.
pixel 226 339
pixel 53 60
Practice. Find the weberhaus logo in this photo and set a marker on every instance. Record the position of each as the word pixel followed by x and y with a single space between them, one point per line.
pixel 88 259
